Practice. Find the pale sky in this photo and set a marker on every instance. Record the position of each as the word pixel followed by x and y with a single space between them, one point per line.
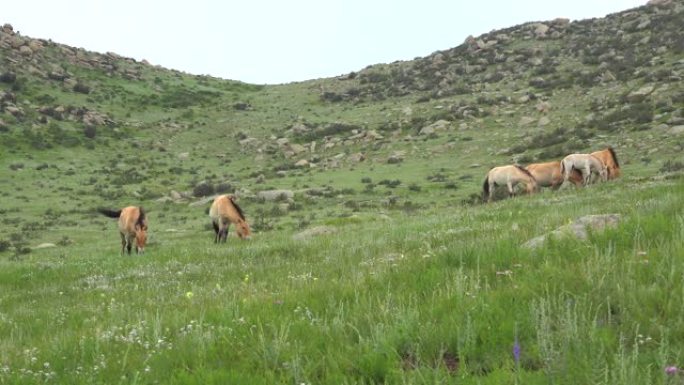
pixel 281 41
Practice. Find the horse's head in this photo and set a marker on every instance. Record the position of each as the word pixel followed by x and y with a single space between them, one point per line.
pixel 614 172
pixel 140 238
pixel 242 229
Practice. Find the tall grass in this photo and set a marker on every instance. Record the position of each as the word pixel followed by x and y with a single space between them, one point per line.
pixel 408 299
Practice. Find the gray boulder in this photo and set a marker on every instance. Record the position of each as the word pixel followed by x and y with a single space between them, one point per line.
pixel 577 229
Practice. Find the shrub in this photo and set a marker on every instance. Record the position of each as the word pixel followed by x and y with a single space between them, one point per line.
pixel 203 189
pixel 81 88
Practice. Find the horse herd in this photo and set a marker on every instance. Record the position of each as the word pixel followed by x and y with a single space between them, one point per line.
pixel 223 212
pixel 576 168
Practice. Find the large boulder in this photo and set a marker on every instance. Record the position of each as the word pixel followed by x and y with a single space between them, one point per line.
pixel 578 229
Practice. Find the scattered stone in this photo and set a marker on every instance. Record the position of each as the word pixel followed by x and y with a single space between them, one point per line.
pixel 44 246
pixel 677 130
pixel 314 232
pixel 273 195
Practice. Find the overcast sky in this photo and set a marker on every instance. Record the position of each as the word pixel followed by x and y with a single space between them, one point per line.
pixel 281 41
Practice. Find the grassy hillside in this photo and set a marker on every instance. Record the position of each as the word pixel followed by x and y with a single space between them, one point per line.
pixel 415 282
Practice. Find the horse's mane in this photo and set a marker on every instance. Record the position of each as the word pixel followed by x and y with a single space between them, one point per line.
pixel 525 171
pixel 239 210
pixel 141 218
pixel 615 159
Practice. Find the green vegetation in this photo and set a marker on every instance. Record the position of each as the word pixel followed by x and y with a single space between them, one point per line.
pixel 411 278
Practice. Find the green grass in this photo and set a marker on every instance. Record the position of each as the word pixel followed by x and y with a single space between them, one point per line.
pixel 407 298
pixel 419 284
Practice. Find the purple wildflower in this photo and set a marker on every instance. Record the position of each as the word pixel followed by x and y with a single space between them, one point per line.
pixel 671 370
pixel 516 351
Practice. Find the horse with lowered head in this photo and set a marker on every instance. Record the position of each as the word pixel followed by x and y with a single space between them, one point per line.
pixel 132 227
pixel 548 174
pixel 584 163
pixel 223 212
pixel 610 160
pixel 510 176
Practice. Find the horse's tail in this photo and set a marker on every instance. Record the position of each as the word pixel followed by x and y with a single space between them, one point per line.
pixel 562 164
pixel 109 213
pixel 485 186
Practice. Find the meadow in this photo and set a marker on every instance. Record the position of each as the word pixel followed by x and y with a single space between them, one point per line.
pixel 411 278
pixel 441 296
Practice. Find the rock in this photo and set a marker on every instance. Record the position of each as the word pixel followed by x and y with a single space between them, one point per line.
pixel 396 157
pixel 44 246
pixel 203 201
pixel 296 148
pixel 544 121
pixel 677 130
pixel 302 163
pixel 526 120
pixel 184 156
pixel 540 29
pixel 440 125
pixel 543 107
pixel 578 228
pixel 314 232
pixel 640 94
pixel 273 195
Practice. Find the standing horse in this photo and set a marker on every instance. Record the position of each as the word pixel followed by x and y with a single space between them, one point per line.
pixel 610 160
pixel 510 175
pixel 548 174
pixel 223 211
pixel 132 226
pixel 586 164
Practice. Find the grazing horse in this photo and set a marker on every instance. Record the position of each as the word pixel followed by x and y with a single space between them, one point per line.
pixel 132 226
pixel 510 175
pixel 548 174
pixel 223 211
pixel 610 160
pixel 586 164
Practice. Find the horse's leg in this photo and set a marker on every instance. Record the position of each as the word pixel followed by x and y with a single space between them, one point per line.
pixel 123 243
pixel 216 231
pixel 129 244
pixel 492 186
pixel 510 189
pixel 225 232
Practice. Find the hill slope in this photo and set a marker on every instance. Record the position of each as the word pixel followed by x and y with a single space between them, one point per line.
pixel 412 280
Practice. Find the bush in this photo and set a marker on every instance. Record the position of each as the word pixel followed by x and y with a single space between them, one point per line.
pixel 81 88
pixel 203 189
pixel 90 132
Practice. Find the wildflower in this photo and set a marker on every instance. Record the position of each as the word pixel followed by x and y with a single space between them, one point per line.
pixel 189 295
pixel 516 351
pixel 671 370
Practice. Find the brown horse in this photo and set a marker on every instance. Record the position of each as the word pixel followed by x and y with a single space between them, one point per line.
pixel 510 175
pixel 132 226
pixel 586 164
pixel 610 160
pixel 225 211
pixel 548 174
